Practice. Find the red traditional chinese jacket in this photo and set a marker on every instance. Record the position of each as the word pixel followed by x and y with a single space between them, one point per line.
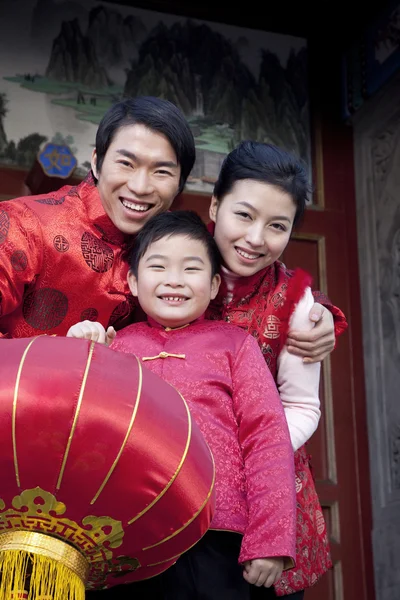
pixel 221 374
pixel 61 261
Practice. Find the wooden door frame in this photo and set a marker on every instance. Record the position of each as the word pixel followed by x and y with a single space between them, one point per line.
pixel 334 218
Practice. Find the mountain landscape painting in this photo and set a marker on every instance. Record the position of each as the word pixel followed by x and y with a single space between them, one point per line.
pixel 63 63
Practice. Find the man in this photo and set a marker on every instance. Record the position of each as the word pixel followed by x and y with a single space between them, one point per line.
pixel 54 246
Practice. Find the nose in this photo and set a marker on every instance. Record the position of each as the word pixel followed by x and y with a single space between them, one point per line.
pixel 174 278
pixel 255 235
pixel 140 183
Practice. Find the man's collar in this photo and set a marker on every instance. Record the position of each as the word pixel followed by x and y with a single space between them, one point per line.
pixel 89 195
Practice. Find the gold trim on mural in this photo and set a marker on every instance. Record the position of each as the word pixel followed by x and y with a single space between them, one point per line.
pixel 133 417
pixel 76 415
pixel 8 167
pixel 47 546
pixel 174 476
pixel 178 531
pixel 14 410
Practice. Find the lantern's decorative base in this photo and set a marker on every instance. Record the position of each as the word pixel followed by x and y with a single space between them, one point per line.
pixel 45 566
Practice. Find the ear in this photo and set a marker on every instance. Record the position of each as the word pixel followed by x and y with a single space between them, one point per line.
pixel 93 163
pixel 216 282
pixel 132 282
pixel 213 209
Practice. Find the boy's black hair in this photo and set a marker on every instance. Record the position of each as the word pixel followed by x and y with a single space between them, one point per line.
pixel 267 164
pixel 180 222
pixel 156 114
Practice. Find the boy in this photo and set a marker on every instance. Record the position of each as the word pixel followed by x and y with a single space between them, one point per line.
pixel 221 373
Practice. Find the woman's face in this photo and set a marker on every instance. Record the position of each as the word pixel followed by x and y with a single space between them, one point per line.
pixel 253 224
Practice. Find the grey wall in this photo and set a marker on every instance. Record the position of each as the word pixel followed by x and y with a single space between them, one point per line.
pixel 377 161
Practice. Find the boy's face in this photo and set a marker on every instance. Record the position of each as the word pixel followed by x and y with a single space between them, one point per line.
pixel 174 284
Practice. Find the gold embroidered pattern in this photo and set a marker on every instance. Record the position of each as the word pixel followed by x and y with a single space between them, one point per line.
pixel 36 510
pixel 272 329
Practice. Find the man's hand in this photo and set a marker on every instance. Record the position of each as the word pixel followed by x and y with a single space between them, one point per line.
pixel 263 571
pixel 89 330
pixel 316 344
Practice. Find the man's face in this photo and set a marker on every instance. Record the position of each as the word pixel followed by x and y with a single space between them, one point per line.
pixel 139 177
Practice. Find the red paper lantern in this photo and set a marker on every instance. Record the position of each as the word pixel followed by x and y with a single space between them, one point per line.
pixel 105 478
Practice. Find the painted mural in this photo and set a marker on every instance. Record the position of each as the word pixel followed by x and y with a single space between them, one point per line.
pixel 64 62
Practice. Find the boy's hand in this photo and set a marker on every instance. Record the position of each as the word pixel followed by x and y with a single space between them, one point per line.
pixel 263 571
pixel 89 330
pixel 316 344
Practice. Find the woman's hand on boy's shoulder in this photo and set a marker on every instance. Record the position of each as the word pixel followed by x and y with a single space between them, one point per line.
pixel 263 571
pixel 314 345
pixel 92 330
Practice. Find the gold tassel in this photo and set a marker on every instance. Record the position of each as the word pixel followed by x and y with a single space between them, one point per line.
pixel 52 571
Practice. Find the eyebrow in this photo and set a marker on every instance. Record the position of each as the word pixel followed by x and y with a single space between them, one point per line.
pixel 155 256
pixel 196 258
pixel 159 163
pixel 277 217
pixel 163 257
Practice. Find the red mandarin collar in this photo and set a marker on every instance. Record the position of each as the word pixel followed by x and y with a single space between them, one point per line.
pixel 152 323
pixel 90 197
pixel 244 287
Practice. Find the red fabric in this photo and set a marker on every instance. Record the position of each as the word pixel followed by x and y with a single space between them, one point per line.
pixel 156 484
pixel 234 400
pixel 262 305
pixel 61 261
pixel 339 318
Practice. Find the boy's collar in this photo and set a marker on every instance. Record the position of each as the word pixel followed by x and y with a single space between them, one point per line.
pixel 153 323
